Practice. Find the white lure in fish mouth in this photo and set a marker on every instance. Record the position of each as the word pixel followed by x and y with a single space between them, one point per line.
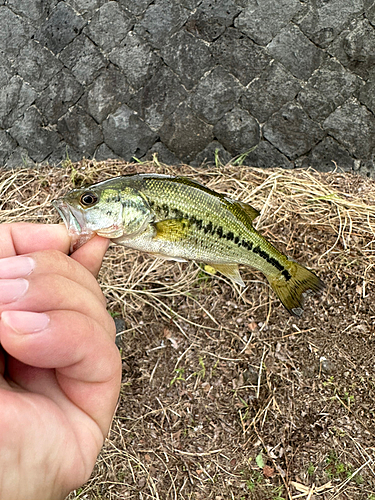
pixel 75 224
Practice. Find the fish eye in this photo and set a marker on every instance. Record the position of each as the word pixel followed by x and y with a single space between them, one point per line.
pixel 88 199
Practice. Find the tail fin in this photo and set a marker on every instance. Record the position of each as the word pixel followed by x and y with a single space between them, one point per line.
pixel 292 289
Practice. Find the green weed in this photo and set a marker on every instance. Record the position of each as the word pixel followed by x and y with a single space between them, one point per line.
pixel 310 469
pixel 339 470
pixel 178 376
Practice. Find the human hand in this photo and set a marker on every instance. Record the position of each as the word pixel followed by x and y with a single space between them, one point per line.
pixel 60 370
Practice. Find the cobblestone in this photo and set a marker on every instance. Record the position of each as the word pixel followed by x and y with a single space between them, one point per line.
pixel 291 131
pixel 353 126
pixel 268 93
pixel 60 28
pixel 80 131
pixel 237 131
pixel 127 134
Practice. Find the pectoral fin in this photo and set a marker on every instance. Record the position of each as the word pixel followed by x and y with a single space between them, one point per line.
pixel 172 229
pixel 230 271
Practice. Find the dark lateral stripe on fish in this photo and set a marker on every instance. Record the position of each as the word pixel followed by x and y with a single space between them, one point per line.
pixel 210 228
pixel 274 262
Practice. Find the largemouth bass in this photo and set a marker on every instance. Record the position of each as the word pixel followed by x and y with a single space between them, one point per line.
pixel 180 219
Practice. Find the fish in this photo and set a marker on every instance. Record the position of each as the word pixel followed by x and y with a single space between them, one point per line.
pixel 178 218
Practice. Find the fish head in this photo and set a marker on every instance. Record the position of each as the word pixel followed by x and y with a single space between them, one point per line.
pixel 104 210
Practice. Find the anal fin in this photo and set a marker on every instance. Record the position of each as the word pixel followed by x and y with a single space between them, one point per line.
pixel 231 271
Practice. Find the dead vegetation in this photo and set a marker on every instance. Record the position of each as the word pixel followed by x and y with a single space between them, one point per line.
pixel 224 395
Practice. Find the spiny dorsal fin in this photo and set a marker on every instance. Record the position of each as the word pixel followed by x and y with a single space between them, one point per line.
pixel 230 271
pixel 244 212
pixel 172 229
pixel 250 211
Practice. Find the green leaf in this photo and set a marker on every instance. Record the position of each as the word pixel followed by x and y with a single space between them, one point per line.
pixel 259 460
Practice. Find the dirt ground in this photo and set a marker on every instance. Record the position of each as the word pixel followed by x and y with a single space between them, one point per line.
pixel 224 395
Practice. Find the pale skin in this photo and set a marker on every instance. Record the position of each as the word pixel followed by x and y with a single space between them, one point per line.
pixel 60 370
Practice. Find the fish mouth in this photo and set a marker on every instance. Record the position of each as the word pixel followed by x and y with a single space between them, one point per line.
pixel 75 224
pixel 70 220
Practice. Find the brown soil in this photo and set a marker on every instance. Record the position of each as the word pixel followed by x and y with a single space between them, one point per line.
pixel 224 395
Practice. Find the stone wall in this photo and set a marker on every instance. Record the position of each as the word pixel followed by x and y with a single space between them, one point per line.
pixel 185 78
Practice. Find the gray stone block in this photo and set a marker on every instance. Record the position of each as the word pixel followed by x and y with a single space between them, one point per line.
pixel 295 51
pixel 85 7
pixel 14 32
pixel 83 59
pixel 211 155
pixel 215 94
pixel 261 21
pixel 62 26
pixel 136 7
pixel 80 131
pixel 365 168
pixel 328 88
pixel 325 20
pixel 6 71
pixel 103 152
pixel 267 156
pixel 240 55
pixel 19 158
pixel 268 93
pixel 162 153
pixel 127 134
pixel 366 94
pixel 30 133
pixel 354 127
pixel 15 98
pixel 237 131
pixel 370 11
pixel 136 59
pixel 291 131
pixel 161 20
pixel 109 25
pixel 190 4
pixel 211 18
pixel 159 97
pixel 7 146
pixel 326 155
pixel 187 56
pixel 109 91
pixel 355 48
pixel 62 93
pixel 37 65
pixel 32 9
pixel 185 134
pixel 63 152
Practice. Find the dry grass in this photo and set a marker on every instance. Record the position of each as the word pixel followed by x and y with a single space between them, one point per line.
pixel 225 396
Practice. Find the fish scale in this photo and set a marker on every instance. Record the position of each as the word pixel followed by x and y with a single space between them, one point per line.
pixel 178 218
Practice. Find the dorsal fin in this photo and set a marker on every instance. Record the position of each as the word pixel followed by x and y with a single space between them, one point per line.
pixel 252 212
pixel 246 213
pixel 242 211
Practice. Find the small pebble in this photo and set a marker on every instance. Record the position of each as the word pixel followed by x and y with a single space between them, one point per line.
pixel 326 365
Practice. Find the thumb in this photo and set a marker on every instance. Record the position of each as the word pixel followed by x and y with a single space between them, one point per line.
pixel 91 254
